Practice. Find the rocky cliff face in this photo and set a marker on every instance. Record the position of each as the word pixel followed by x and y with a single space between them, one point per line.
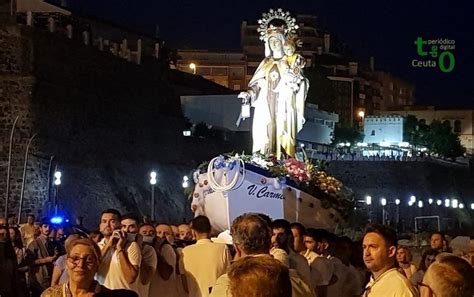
pixel 107 123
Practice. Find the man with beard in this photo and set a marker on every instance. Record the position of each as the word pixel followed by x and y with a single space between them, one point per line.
pixel 121 259
pixel 380 248
pixel 41 254
pixel 147 267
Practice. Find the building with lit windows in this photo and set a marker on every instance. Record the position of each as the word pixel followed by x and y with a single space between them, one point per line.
pixel 228 69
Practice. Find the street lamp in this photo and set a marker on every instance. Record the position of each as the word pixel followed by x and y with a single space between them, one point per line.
pixel 368 200
pixel 361 115
pixel 454 203
pixel 412 199
pixel 461 205
pixel 383 201
pixel 193 67
pixel 153 183
pixel 57 183
pixel 447 202
pixel 185 182
pixel 472 206
pixel 420 204
pixel 430 201
pixel 397 201
pixel 439 202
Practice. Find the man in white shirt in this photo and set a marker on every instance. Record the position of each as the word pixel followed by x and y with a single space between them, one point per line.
pixel 149 258
pixel 205 261
pixel 380 248
pixel 251 236
pixel 322 269
pixel 164 280
pixel 282 237
pixel 28 230
pixel 121 259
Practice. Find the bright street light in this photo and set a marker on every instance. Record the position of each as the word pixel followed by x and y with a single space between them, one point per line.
pixel 153 183
pixel 193 67
pixel 420 204
pixel 430 201
pixel 57 178
pixel 397 201
pixel 461 205
pixel 412 199
pixel 439 202
pixel 185 183
pixel 447 202
pixel 361 113
pixel 454 203
pixel 368 200
pixel 472 205
pixel 153 178
pixel 383 201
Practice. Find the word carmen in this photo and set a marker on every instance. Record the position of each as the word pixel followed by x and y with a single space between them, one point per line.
pixel 263 192
pixel 445 60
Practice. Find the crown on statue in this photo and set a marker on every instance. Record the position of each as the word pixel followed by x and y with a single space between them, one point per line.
pixel 267 28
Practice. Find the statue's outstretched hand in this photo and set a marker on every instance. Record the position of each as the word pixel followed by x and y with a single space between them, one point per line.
pixel 245 96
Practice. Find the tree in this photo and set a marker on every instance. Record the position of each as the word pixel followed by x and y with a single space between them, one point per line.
pixel 441 140
pixel 345 133
pixel 415 131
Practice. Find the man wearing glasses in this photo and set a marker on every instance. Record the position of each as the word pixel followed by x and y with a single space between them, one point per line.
pixel 380 248
pixel 449 276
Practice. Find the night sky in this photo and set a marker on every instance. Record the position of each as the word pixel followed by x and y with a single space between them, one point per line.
pixel 385 29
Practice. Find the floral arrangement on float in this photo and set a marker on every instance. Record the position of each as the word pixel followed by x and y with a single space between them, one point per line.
pixel 307 175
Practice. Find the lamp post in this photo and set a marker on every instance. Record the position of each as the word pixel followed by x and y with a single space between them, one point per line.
pixel 7 192
pixel 22 192
pixel 153 183
pixel 361 115
pixel 397 203
pixel 57 183
pixel 193 67
pixel 368 201
pixel 383 201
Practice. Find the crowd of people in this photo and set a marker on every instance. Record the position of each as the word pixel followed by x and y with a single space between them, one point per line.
pixel 258 257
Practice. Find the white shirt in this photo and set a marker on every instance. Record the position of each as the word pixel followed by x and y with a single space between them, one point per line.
pixel 344 284
pixel 391 283
pixel 110 272
pixel 299 263
pixel 165 288
pixel 203 263
pixel 321 269
pixel 149 258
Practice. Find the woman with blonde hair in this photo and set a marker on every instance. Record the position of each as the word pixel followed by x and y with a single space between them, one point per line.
pixel 404 259
pixel 82 262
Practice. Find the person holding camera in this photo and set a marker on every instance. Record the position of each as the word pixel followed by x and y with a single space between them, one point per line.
pixel 149 260
pixel 121 257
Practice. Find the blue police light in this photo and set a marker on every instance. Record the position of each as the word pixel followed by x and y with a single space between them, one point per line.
pixel 56 220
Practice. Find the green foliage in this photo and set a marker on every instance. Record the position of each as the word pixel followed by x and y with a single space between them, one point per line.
pixel 441 140
pixel 415 131
pixel 345 133
pixel 437 137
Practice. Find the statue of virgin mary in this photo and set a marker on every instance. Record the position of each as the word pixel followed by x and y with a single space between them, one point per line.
pixel 277 89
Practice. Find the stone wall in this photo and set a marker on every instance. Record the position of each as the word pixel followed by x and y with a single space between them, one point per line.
pixel 107 123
